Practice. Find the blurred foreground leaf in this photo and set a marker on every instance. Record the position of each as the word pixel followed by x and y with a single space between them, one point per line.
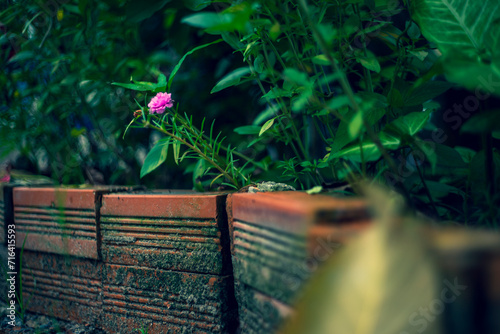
pixel 377 285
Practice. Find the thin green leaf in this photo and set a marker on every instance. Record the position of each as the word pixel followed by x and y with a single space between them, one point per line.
pixel 248 130
pixel 267 125
pixel 356 124
pixel 178 66
pixel 128 126
pixel 176 148
pixel 231 79
pixel 370 150
pixel 315 190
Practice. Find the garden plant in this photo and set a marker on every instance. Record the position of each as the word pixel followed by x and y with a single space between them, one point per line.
pixel 395 101
pixel 348 90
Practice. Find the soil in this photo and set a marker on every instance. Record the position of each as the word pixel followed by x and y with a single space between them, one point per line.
pixel 40 324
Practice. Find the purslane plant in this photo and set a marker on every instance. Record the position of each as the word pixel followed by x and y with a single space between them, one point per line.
pixel 189 142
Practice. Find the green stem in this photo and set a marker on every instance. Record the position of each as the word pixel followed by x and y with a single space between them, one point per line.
pixel 196 133
pixel 346 87
pixel 488 164
pixel 197 151
pixel 427 192
pixel 367 73
pixel 263 90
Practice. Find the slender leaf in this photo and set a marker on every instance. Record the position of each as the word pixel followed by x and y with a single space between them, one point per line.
pixel 178 66
pixel 427 91
pixel 370 150
pixel 356 124
pixel 267 125
pixel 232 79
pixel 248 130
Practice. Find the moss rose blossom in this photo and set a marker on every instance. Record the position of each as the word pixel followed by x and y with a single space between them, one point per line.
pixel 160 102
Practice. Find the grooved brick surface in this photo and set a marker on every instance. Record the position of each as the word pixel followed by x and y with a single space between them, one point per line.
pixel 64 287
pixel 58 220
pixel 277 241
pixel 166 263
pixel 166 301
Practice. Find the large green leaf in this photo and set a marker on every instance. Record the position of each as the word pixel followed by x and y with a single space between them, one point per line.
pixel 408 125
pixel 483 122
pixel 232 79
pixel 155 157
pixel 233 18
pixel 466 26
pixel 426 91
pixel 248 130
pixel 440 156
pixel 467 32
pixel 370 150
pixel 144 86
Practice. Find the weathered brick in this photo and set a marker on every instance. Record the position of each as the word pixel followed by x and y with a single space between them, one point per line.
pixel 59 220
pixel 61 271
pixel 62 286
pixel 167 263
pixel 277 241
pixel 166 301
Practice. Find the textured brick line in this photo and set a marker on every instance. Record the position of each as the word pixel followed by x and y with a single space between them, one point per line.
pixel 31 292
pixel 62 277
pixel 280 244
pixel 188 231
pixel 20 223
pixel 188 323
pixel 47 289
pixel 69 288
pixel 57 219
pixel 2 223
pixel 210 302
pixel 269 232
pixel 185 244
pixel 68 233
pixel 126 220
pixel 2 213
pixel 128 305
pixel 158 239
pixel 169 302
pixel 54 211
pixel 274 263
pixel 42 287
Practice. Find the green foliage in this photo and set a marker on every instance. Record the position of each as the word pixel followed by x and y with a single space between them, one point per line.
pixel 311 92
pixel 468 35
pixel 360 289
pixel 345 92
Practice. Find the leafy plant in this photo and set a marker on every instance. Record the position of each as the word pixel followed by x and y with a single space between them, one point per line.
pixel 346 92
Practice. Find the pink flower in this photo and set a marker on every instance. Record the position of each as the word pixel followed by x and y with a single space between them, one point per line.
pixel 160 102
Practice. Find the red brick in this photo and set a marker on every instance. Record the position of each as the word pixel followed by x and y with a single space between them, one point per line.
pixel 65 287
pixel 59 220
pixel 166 301
pixel 167 263
pixel 277 241
pixel 186 232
